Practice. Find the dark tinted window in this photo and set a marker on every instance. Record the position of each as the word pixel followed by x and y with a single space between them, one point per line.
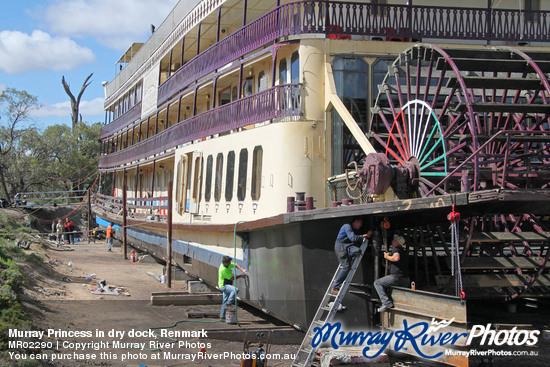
pixel 230 175
pixel 219 172
pixel 241 178
pixel 256 172
pixel 208 175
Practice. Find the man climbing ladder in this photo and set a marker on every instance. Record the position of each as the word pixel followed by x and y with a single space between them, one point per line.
pixel 328 307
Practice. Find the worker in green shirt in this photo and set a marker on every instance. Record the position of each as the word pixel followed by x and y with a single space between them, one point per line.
pixel 225 282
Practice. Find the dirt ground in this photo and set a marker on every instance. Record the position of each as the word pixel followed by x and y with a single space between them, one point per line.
pixel 60 300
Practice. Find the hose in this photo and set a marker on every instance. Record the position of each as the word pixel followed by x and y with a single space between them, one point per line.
pixel 235 268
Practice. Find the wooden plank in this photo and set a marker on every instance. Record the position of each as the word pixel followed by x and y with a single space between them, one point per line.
pixel 511 237
pixel 421 306
pixel 482 263
pixel 495 280
pixel 498 83
pixel 505 107
pixel 185 299
pixel 485 64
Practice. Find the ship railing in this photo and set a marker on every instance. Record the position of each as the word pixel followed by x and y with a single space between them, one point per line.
pixel 277 103
pixel 125 119
pixel 49 198
pixel 336 19
pixel 154 208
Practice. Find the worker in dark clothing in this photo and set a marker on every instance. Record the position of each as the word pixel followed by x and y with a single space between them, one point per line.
pixel 398 271
pixel 345 248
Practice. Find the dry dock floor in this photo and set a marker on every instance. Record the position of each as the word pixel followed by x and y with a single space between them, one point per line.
pixel 56 304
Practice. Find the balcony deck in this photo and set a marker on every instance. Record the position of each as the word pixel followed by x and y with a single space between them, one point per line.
pixel 278 102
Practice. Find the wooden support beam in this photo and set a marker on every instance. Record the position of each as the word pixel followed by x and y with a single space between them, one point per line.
pixel 124 219
pixel 185 299
pixel 169 238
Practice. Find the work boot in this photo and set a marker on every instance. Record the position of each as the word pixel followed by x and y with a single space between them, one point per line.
pixel 385 307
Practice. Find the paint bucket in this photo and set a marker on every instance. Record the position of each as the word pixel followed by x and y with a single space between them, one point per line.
pixel 231 316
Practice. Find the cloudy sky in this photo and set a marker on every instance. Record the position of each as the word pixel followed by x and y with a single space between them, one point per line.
pixel 40 41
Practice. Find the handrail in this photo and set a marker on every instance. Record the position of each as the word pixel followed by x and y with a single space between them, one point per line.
pixel 156 206
pixel 127 118
pixel 478 150
pixel 281 101
pixel 386 21
pixel 47 198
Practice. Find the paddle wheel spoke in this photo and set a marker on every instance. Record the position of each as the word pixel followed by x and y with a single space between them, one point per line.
pixel 472 120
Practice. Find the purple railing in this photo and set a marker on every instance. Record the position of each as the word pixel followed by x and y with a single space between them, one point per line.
pixel 127 118
pixel 138 208
pixel 280 101
pixel 387 22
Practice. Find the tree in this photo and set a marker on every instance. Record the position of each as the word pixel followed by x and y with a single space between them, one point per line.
pixel 75 102
pixel 15 107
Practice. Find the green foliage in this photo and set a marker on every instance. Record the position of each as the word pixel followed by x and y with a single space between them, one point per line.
pixel 12 317
pixel 34 160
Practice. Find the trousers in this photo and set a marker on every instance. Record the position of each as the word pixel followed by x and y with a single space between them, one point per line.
pixel 383 284
pixel 229 292
pixel 345 252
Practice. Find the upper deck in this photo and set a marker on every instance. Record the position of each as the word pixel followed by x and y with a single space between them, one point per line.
pixel 267 21
pixel 177 75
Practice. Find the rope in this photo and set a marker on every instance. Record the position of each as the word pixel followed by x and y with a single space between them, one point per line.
pixel 66 216
pixel 72 173
pixel 76 181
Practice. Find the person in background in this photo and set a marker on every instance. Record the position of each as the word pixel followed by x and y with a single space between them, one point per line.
pixel 109 235
pixel 59 231
pixel 398 271
pixel 66 230
pixel 346 249
pixel 225 282
pixel 70 229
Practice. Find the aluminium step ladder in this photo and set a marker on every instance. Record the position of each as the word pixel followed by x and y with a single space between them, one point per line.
pixel 326 311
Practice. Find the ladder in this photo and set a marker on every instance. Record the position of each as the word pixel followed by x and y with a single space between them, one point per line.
pixel 326 311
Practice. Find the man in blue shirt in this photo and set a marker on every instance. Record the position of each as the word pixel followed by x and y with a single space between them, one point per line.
pixel 345 248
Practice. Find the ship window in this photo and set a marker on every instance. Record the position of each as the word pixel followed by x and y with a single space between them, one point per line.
pixel 132 97
pixel 180 186
pixel 219 173
pixel 138 93
pixel 196 181
pixel 295 68
pixel 152 126
pixel 184 108
pixel 379 70
pixel 162 121
pixel 172 114
pixel 225 96
pixel 282 71
pixel 263 81
pixel 530 7
pixel 241 178
pixel 208 182
pixel 229 176
pixel 256 172
pixel 350 77
pixel 176 58
pixel 234 93
pixel 247 88
pixel 164 68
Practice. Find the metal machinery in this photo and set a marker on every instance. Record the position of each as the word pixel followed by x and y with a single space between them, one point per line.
pixel 465 120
